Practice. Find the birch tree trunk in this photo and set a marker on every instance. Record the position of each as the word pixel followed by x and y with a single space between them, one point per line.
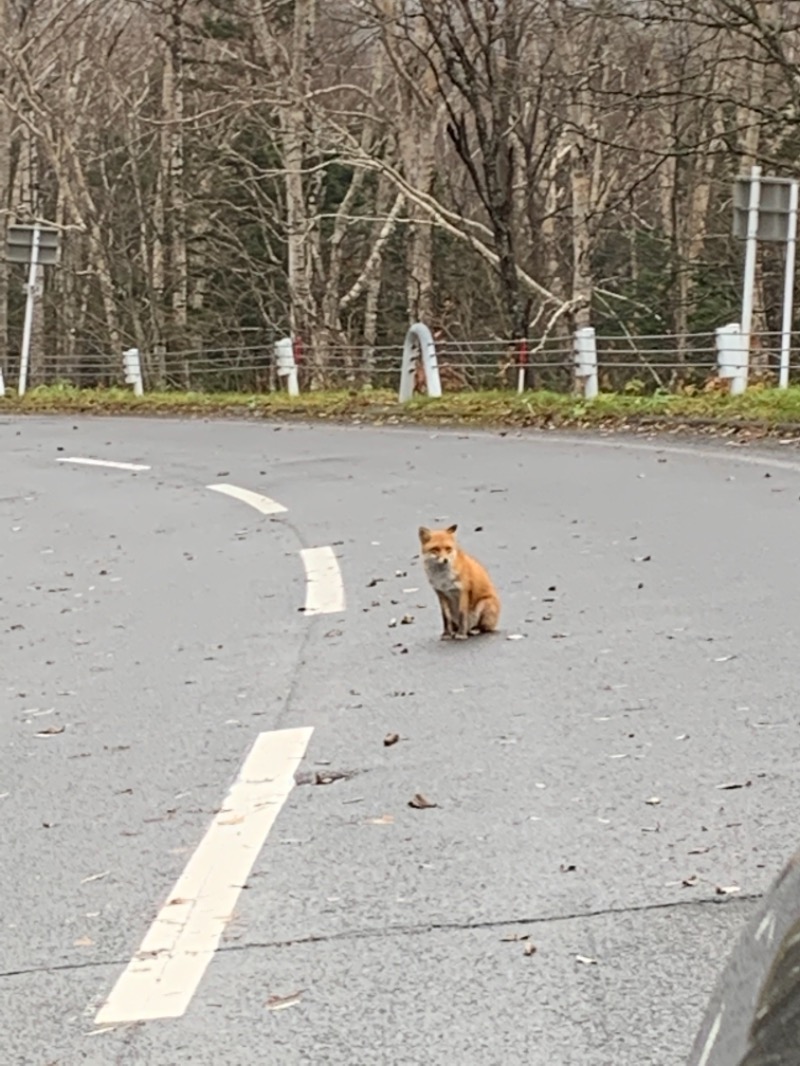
pixel 174 101
pixel 5 177
pixel 580 50
pixel 26 208
pixel 419 122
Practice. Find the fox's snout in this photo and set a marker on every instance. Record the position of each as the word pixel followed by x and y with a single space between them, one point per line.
pixel 438 560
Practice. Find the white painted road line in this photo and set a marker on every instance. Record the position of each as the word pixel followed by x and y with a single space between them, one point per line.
pixel 163 975
pixel 261 503
pixel 102 462
pixel 324 585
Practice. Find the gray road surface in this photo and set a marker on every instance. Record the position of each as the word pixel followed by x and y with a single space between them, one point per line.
pixel 655 592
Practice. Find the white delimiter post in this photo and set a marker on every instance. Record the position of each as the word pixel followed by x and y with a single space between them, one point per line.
pixel 585 358
pixel 287 365
pixel 732 357
pixel 132 364
pixel 427 346
pixel 788 285
pixel 30 299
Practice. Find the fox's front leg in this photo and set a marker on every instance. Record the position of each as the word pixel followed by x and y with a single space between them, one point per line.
pixel 462 621
pixel 447 618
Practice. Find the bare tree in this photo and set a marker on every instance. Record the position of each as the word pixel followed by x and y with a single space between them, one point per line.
pixel 223 172
pixel 5 174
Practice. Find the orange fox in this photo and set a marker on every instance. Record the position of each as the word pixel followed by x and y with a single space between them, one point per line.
pixel 468 599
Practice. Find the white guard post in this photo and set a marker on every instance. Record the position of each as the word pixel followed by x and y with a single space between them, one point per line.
pixel 424 338
pixel 287 367
pixel 131 361
pixel 2 383
pixel 585 346
pixel 732 356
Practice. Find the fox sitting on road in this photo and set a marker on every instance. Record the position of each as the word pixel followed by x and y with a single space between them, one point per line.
pixel 467 597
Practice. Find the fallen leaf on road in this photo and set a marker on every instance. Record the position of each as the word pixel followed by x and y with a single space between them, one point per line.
pixel 393 623
pixel 567 868
pixel 282 1002
pixel 50 731
pixel 724 658
pixel 390 738
pixel 689 882
pixel 699 851
pixel 586 960
pixel 407 620
pixel 384 819
pixel 235 819
pixel 83 942
pixel 734 784
pixel 727 890
pixel 420 802
pixel 529 949
pixel 653 801
pixel 509 937
pixel 515 636
pixel 177 901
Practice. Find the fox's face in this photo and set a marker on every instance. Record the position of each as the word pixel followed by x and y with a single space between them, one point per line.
pixel 438 546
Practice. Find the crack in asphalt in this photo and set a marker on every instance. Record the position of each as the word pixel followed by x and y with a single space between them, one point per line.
pixel 418 929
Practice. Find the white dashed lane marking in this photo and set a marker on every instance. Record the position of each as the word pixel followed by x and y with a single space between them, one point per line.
pixel 102 462
pixel 324 585
pixel 165 972
pixel 261 503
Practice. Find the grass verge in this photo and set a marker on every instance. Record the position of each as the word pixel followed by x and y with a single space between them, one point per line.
pixel 760 411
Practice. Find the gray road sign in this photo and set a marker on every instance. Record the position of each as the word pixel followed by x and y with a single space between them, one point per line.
pixel 773 210
pixel 19 244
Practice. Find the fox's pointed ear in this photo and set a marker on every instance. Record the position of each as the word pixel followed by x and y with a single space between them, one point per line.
pixel 452 529
pixel 424 534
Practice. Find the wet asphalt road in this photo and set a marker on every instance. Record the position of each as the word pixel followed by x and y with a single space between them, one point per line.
pixel 615 786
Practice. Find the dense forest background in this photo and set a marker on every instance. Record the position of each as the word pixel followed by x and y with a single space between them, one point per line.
pixel 226 172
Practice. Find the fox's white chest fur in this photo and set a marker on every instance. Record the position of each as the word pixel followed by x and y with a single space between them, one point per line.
pixel 441 575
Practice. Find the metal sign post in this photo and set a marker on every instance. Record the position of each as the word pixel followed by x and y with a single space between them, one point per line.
pixel 30 299
pixel 765 209
pixel 34 245
pixel 788 285
pixel 751 236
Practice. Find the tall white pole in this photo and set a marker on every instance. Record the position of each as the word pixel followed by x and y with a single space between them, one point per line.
pixel 750 255
pixel 30 299
pixel 788 285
